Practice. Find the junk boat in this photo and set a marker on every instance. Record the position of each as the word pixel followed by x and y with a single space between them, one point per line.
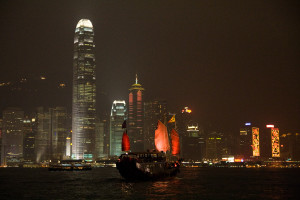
pixel 70 165
pixel 151 165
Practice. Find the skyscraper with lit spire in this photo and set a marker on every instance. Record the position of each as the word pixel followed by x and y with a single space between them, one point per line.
pixel 84 92
pixel 136 116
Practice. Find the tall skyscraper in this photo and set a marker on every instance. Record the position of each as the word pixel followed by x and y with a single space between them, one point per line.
pixel 29 129
pixel 193 143
pixel 117 117
pixel 42 135
pixel 245 142
pixel 50 138
pixel 99 139
pixel 84 92
pixel 12 137
pixel 58 133
pixel 214 146
pixel 136 117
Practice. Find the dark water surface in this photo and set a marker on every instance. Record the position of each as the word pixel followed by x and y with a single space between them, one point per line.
pixel 191 183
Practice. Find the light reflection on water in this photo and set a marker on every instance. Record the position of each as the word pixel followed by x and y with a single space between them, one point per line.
pixel 191 183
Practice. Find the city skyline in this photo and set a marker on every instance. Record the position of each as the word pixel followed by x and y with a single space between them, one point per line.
pixel 161 99
pixel 228 70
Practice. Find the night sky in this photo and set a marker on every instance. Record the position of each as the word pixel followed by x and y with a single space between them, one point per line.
pixel 229 61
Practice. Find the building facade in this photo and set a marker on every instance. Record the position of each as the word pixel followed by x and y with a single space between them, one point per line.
pixel 245 141
pixel 193 143
pixel 42 136
pixel 29 128
pixel 58 133
pixel 99 139
pixel 12 136
pixel 214 146
pixel 117 117
pixel 84 92
pixel 153 110
pixel 135 123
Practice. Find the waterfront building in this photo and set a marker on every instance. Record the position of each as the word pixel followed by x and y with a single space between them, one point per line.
pixel 0 140
pixel 153 110
pixel 12 137
pixel 29 128
pixel 183 119
pixel 266 142
pixel 50 139
pixel 117 117
pixel 275 142
pixel 58 133
pixel 106 134
pixel 135 122
pixel 84 92
pixel 290 146
pixel 42 135
pixel 99 141
pixel 214 146
pixel 193 143
pixel 245 142
pixel 68 147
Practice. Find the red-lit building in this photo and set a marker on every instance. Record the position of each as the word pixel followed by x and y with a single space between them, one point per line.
pixel 135 122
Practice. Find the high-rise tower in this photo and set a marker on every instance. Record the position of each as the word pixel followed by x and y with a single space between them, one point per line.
pixel 84 92
pixel 12 138
pixel 136 117
pixel 117 117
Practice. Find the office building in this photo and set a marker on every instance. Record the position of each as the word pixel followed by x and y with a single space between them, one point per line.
pixel 193 143
pixel 29 128
pixel 135 122
pixel 245 142
pixel 84 92
pixel 153 110
pixel 12 136
pixel 117 117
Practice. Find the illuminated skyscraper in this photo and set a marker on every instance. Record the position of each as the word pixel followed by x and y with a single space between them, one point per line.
pixel 58 133
pixel 117 117
pixel 136 117
pixel 255 141
pixel 245 142
pixel 42 135
pixel 193 143
pixel 12 137
pixel 29 130
pixel 84 92
pixel 50 139
pixel 214 146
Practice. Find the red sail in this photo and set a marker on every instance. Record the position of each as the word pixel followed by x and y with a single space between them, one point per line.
pixel 125 142
pixel 161 137
pixel 175 142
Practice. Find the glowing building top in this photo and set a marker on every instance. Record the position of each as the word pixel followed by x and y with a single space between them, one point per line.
pixel 84 23
pixel 136 116
pixel 136 85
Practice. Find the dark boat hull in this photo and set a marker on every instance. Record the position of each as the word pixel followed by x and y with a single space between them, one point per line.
pixel 131 169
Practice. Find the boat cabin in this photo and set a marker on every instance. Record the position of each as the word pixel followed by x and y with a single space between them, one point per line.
pixel 146 156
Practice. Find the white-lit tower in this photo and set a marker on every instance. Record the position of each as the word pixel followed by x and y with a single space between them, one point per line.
pixel 117 117
pixel 84 92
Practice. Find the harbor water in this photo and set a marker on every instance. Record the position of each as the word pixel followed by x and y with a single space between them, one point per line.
pixel 190 183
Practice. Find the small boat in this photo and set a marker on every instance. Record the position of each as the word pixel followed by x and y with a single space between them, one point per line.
pixel 151 165
pixel 70 165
